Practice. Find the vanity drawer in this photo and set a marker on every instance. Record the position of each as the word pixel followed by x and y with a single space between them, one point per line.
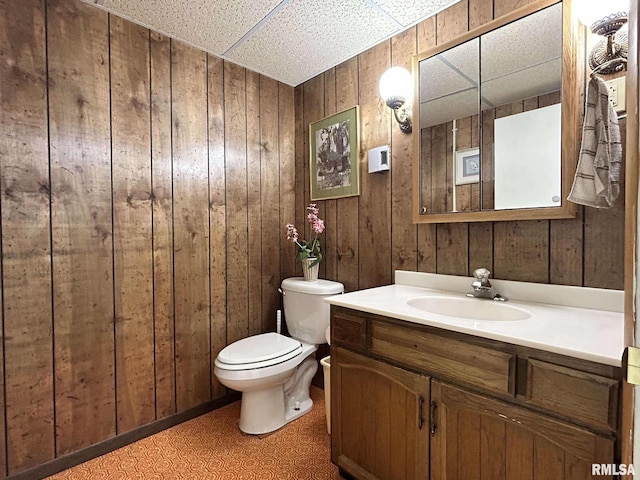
pixel 445 357
pixel 588 398
pixel 348 330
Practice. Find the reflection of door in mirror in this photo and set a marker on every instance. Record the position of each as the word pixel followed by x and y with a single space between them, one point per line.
pixel 506 75
pixel 527 149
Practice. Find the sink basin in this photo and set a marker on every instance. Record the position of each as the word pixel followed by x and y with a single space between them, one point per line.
pixel 469 308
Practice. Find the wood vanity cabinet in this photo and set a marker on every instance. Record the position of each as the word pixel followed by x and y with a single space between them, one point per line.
pixel 381 412
pixel 478 437
pixel 415 402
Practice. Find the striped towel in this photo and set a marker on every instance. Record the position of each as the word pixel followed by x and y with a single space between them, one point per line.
pixel 596 183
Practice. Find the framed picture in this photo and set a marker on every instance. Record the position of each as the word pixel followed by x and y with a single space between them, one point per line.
pixel 333 155
pixel 467 166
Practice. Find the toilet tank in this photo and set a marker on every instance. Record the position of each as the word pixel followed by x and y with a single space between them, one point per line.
pixel 305 312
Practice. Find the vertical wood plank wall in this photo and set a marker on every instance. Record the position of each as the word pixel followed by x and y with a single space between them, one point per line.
pixel 82 227
pixel 26 244
pixel 144 189
pixel 373 234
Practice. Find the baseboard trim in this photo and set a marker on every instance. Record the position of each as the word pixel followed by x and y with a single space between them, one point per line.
pixel 106 446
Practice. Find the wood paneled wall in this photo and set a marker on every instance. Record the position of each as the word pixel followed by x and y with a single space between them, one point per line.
pixel 144 189
pixel 370 236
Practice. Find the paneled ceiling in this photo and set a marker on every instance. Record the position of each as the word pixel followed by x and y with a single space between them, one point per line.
pixel 288 40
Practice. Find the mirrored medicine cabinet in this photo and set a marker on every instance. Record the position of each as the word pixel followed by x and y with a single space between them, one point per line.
pixel 497 120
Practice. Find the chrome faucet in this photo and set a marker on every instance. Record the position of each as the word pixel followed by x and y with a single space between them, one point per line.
pixel 482 287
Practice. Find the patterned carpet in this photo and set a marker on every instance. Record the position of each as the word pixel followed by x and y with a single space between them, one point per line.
pixel 212 447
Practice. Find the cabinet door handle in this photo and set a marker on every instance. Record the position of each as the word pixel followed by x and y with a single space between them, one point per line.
pixel 432 418
pixel 420 404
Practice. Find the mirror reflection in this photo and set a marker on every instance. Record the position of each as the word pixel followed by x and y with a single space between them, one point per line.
pixel 490 119
pixel 449 129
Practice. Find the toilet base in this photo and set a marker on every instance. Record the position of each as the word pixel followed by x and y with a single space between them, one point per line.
pixel 266 410
pixel 256 420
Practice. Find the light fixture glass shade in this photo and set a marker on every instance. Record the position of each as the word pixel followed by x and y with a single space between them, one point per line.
pixel 396 87
pixel 590 11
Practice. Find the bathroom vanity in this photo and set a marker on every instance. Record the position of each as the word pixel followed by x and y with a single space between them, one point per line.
pixel 419 395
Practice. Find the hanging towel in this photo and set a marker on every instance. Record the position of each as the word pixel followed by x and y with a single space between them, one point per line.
pixel 596 183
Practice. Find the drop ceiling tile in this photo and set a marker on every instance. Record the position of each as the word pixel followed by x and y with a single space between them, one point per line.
pixel 306 38
pixel 409 12
pixel 288 40
pixel 212 25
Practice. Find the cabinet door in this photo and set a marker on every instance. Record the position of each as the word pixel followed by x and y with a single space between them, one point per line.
pixel 379 419
pixel 478 438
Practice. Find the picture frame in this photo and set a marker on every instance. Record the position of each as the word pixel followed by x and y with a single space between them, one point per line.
pixel 334 144
pixel 467 166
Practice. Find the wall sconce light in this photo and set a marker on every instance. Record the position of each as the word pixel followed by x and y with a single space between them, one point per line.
pixel 396 89
pixel 607 18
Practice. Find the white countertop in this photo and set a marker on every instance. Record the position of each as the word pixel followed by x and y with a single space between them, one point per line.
pixel 586 333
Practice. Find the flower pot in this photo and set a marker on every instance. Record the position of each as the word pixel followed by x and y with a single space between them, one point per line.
pixel 310 273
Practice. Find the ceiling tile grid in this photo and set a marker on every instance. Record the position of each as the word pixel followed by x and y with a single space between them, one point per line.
pixel 307 36
pixel 288 40
pixel 212 25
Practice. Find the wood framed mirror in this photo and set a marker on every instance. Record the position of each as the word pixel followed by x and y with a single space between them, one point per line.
pixel 496 120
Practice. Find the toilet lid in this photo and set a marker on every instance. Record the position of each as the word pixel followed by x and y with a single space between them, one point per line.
pixel 268 347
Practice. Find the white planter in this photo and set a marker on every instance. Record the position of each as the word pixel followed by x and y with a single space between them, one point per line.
pixel 310 273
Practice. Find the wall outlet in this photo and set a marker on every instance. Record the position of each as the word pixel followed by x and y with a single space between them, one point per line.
pixel 617 95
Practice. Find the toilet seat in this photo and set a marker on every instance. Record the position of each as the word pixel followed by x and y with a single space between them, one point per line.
pixel 258 351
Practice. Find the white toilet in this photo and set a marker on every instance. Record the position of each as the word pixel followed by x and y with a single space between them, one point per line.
pixel 272 371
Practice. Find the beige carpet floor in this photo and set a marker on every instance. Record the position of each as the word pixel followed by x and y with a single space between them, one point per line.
pixel 212 447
